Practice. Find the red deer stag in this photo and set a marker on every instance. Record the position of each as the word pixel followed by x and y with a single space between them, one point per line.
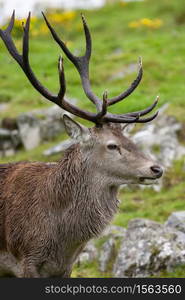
pixel 48 212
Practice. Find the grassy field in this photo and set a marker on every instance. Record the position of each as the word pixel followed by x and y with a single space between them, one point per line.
pixel 121 33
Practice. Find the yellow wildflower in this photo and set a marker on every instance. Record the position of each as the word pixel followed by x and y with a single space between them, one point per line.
pixel 62 17
pixel 20 22
pixel 134 24
pixel 157 23
pixel 146 22
pixel 69 15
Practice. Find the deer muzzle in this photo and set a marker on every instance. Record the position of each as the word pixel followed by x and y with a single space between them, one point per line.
pixel 157 171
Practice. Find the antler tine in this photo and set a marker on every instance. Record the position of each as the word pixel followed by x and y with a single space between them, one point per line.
pixel 81 63
pixel 26 65
pixel 120 118
pixel 62 81
pixel 59 41
pixel 102 113
pixel 7 39
pixel 126 118
pixel 88 38
pixel 104 105
pixel 132 87
pixel 145 120
pixel 25 44
pixel 133 116
pixel 11 23
pixel 144 111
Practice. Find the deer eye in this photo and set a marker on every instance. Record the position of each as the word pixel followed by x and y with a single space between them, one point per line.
pixel 112 147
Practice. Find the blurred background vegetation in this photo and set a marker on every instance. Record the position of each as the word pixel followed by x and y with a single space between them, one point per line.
pixel 121 32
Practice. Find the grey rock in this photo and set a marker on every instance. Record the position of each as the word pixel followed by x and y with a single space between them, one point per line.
pixel 51 122
pixel 33 128
pixel 54 111
pixel 9 123
pixel 4 133
pixel 50 128
pixel 106 253
pixel 29 130
pixel 159 140
pixel 59 148
pixel 161 133
pixel 177 221
pixel 9 141
pixel 5 144
pixel 114 231
pixel 149 248
pixel 15 137
pixel 89 253
pixel 9 152
pixel 92 252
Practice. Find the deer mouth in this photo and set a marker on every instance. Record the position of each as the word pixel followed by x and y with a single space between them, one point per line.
pixel 147 180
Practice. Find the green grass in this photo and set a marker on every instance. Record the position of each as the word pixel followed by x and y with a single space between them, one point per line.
pixel 162 51
pixel 178 272
pixel 89 270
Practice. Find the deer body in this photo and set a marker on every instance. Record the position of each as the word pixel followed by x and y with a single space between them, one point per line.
pixel 48 211
pixel 56 209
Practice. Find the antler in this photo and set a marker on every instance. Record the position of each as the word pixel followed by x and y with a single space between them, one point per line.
pixel 82 65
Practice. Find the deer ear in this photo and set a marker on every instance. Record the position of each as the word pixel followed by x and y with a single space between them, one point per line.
pixel 75 130
pixel 127 128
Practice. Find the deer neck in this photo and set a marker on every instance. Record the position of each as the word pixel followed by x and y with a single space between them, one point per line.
pixel 90 197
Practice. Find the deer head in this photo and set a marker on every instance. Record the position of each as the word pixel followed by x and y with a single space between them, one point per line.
pixel 109 151
pixel 105 144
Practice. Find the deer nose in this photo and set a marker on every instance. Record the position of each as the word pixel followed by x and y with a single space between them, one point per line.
pixel 157 170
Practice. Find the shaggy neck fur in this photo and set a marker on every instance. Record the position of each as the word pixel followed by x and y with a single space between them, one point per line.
pixel 86 197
